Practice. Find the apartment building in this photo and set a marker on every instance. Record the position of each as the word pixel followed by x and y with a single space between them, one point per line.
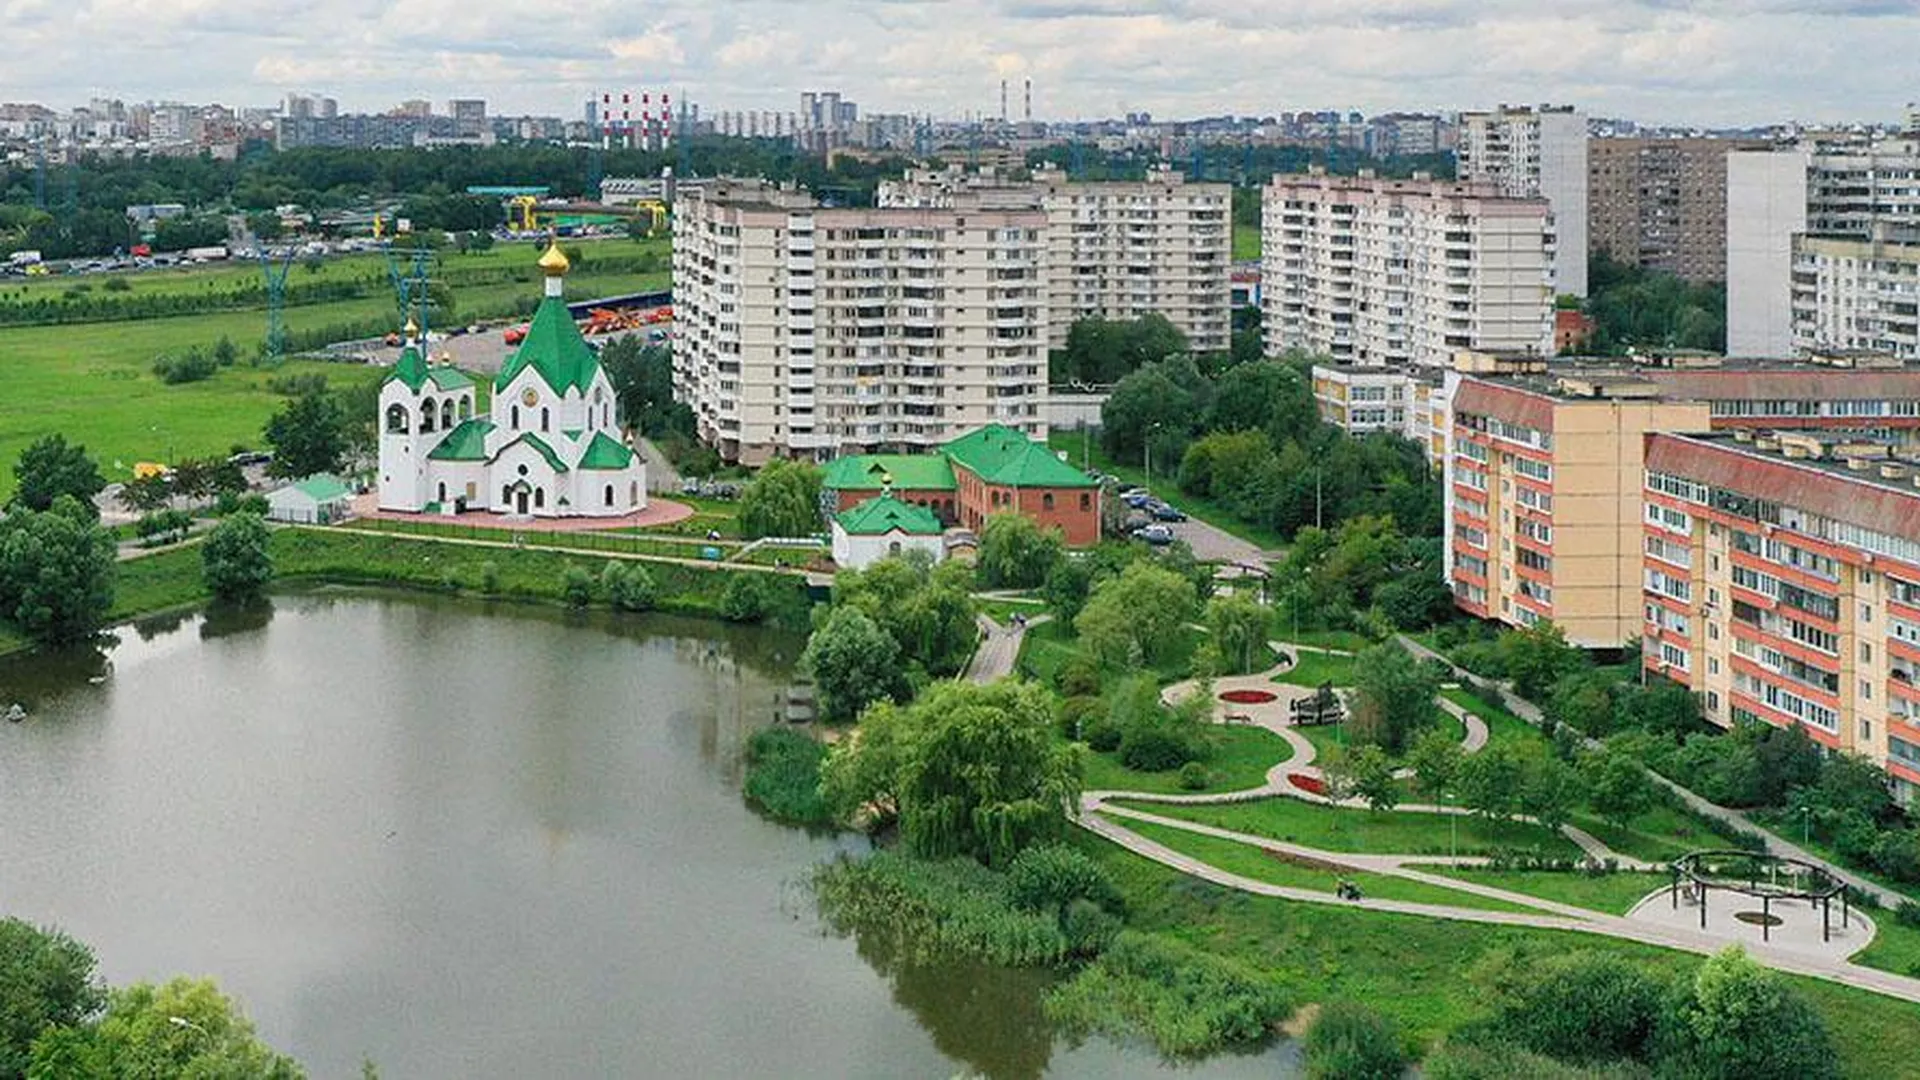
pixel 1393 273
pixel 1116 249
pixel 805 331
pixel 1542 497
pixel 1536 153
pixel 1870 395
pixel 1661 203
pixel 1846 208
pixel 1781 581
pixel 1362 400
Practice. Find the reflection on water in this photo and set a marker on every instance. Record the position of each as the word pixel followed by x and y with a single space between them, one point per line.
pixel 472 840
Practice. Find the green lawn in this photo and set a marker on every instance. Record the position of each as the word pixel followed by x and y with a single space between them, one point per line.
pixel 1002 611
pixel 1086 453
pixel 1343 640
pixel 1787 827
pixel 1659 835
pixel 1413 970
pixel 1367 832
pixel 1246 242
pixel 1315 668
pixel 1613 894
pixel 1895 948
pixel 1242 754
pixel 1260 865
pixel 93 382
pixel 1048 647
pixel 1330 739
pixel 1501 724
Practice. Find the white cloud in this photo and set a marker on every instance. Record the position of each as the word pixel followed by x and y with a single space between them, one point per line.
pixel 1708 61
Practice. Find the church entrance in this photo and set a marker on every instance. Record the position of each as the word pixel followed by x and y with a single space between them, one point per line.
pixel 520 501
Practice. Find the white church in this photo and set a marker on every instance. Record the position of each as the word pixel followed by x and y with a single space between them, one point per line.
pixel 550 448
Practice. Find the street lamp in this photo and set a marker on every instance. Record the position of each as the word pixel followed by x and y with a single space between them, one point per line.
pixel 1806 825
pixel 1151 428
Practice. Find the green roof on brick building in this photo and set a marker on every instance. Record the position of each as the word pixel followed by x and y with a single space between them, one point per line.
pixel 885 514
pixel 875 472
pixel 606 453
pixel 467 442
pixel 554 348
pixel 1001 455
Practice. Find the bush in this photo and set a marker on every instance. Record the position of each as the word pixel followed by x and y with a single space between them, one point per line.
pixel 236 562
pixel 1077 715
pixel 1103 735
pixel 577 587
pixel 1194 776
pixel 1352 1042
pixel 1741 1021
pixel 118 284
pixel 1078 677
pixel 1052 876
pixel 1190 1002
pixel 490 577
pixel 933 910
pixel 1154 747
pixel 1580 1006
pixel 1907 914
pixel 193 366
pixel 745 599
pixel 783 776
pixel 163 526
pixel 628 586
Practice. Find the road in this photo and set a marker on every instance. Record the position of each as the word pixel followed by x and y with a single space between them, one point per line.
pixel 999 649
pixel 1213 544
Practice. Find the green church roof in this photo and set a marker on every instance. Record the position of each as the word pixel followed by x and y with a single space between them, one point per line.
pixel 885 514
pixel 323 487
pixel 872 472
pixel 539 444
pixel 605 453
pixel 447 377
pixel 468 442
pixel 411 368
pixel 1001 455
pixel 554 348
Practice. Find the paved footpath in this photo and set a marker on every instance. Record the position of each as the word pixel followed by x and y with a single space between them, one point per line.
pixel 999 648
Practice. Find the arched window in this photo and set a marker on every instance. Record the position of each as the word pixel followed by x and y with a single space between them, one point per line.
pixel 609 494
pixel 543 418
pixel 443 491
pixel 539 497
pixel 514 423
pixel 633 494
pixel 446 413
pixel 1046 501
pixel 466 407
pixel 506 494
pixel 426 417
pixel 397 419
pixel 1086 501
pixel 606 415
pixel 893 548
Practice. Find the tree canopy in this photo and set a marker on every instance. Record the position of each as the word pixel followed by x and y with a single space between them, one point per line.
pixel 235 561
pixel 854 663
pixel 782 500
pixel 308 435
pixel 56 572
pixel 52 467
pixel 46 980
pixel 1100 351
pixel 1016 553
pixel 1137 616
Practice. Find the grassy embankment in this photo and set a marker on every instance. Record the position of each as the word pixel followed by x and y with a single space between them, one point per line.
pixel 1246 242
pixel 1241 758
pixel 1086 453
pixel 93 382
pixel 1416 970
pixel 1368 832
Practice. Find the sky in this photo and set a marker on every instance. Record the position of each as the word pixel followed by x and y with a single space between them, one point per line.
pixel 1710 62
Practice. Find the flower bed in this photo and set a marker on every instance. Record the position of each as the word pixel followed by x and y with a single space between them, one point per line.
pixel 1312 785
pixel 1249 697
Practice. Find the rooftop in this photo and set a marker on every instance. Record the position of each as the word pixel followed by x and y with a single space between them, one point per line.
pixel 1699 376
pixel 876 472
pixel 1840 475
pixel 884 514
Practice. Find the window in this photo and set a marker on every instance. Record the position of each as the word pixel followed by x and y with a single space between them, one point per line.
pixel 543 418
pixel 1086 501
pixel 539 497
pixel 1046 501
pixel 1673 656
pixel 397 419
pixel 514 418
pixel 609 495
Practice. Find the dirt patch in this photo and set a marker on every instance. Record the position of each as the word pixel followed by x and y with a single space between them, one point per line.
pixel 1296 1026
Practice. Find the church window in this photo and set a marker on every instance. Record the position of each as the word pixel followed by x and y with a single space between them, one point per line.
pixel 446 414
pixel 426 417
pixel 1086 501
pixel 523 470
pixel 539 497
pixel 515 421
pixel 543 419
pixel 609 494
pixel 443 491
pixel 606 416
pixel 506 494
pixel 397 419
pixel 1046 501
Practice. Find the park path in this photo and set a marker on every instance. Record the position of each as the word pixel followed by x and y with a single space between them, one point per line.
pixel 999 648
pixel 1776 844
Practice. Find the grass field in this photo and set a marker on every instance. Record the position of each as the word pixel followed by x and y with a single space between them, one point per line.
pixel 1895 948
pixel 1501 724
pixel 1085 452
pixel 93 382
pixel 1415 970
pixel 1613 894
pixel 1367 832
pixel 1315 668
pixel 1051 645
pixel 1246 242
pixel 1252 862
pixel 1241 757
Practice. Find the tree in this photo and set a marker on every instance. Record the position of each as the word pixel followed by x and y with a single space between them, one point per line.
pixel 928 610
pixel 1538 657
pixel 1365 772
pixel 46 980
pixel 1660 708
pixel 860 778
pixel 1239 628
pixel 853 663
pixel 1618 788
pixel 1582 701
pixel 1136 617
pixel 56 572
pixel 642 377
pixel 1016 553
pixel 1550 790
pixel 1436 760
pixel 782 500
pixel 1392 698
pixel 50 468
pixel 1490 782
pixel 1579 1006
pixel 1742 1022
pixel 308 436
pixel 184 1028
pixel 235 561
pixel 1067 587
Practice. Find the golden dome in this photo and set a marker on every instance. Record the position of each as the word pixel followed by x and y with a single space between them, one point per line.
pixel 554 262
pixel 413 328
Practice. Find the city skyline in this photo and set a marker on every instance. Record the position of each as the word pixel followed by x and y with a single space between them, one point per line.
pixel 1717 63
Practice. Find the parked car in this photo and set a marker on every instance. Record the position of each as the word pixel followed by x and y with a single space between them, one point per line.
pixel 1139 500
pixel 1163 512
pixel 1157 535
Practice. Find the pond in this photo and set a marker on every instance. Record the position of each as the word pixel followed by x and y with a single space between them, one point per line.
pixel 471 840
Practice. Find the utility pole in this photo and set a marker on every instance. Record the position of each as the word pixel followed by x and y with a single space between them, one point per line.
pixel 1318 521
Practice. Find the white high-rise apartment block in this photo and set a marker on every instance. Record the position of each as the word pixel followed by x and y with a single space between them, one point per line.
pixel 1116 249
pixel 1536 153
pixel 1821 235
pixel 804 331
pixel 1402 272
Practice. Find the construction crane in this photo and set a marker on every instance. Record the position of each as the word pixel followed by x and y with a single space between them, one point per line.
pixel 275 271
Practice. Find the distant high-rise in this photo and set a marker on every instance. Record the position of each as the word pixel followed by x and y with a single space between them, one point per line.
pixel 469 115
pixel 1536 153
pixel 1661 203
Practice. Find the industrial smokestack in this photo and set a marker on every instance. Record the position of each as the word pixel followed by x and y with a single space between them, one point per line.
pixel 1003 101
pixel 1029 111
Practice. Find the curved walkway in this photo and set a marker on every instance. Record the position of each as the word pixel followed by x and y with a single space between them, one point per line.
pixel 999 648
pixel 1098 815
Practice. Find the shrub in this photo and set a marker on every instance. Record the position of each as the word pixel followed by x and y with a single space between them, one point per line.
pixel 1907 914
pixel 628 586
pixel 744 600
pixel 1578 1006
pixel 163 526
pixel 1052 876
pixel 783 776
pixel 929 910
pixel 1103 735
pixel 490 577
pixel 1079 677
pixel 1190 1002
pixel 1351 1042
pixel 1194 776
pixel 577 587
pixel 1741 1021
pixel 118 284
pixel 193 366
pixel 1078 715
pixel 1492 1060
pixel 1154 747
